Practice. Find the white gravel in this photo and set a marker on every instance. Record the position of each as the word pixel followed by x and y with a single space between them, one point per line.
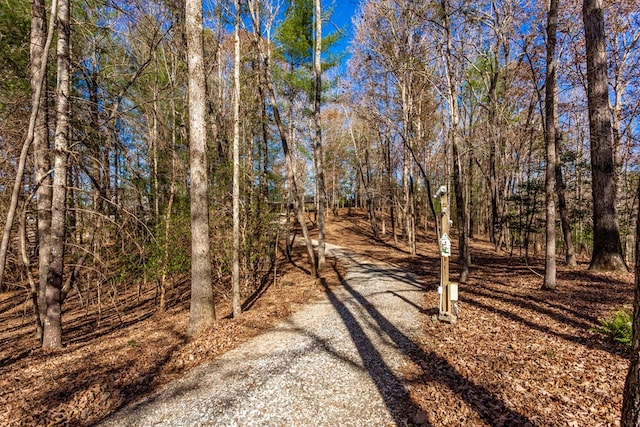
pixel 335 363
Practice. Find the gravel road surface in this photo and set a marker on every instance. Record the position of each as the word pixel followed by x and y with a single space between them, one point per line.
pixel 338 362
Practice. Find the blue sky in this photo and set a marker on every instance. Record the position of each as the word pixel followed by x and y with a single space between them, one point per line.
pixel 343 11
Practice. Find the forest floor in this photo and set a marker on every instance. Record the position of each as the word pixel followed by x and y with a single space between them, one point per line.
pixel 514 350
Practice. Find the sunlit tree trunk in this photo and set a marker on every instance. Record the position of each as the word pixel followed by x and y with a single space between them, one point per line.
pixel 237 308
pixel 319 152
pixel 52 324
pixel 41 152
pixel 607 247
pixel 202 312
pixel 551 118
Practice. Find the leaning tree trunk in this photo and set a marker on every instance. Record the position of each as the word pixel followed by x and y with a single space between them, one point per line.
pixel 289 164
pixel 52 324
pixel 631 397
pixel 607 247
pixel 202 311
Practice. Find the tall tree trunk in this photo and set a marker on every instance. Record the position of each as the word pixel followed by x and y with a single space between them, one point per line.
pixel 202 311
pixel 631 397
pixel 237 307
pixel 607 247
pixel 52 324
pixel 41 152
pixel 551 119
pixel 319 152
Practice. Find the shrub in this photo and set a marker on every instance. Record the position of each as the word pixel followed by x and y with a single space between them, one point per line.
pixel 618 326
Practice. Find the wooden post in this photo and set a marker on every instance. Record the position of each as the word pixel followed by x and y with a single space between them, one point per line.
pixel 446 290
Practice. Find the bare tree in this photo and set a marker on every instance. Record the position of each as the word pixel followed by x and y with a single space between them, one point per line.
pixel 202 311
pixel 607 247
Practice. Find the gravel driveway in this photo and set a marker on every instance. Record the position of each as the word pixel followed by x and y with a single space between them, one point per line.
pixel 335 363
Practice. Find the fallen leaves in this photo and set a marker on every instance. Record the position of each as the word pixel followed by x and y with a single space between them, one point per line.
pixel 517 355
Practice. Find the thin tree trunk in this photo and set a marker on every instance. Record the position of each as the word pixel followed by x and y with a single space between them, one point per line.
pixel 607 247
pixel 551 119
pixel 319 152
pixel 570 252
pixel 33 287
pixel 363 179
pixel 41 150
pixel 461 211
pixel 202 311
pixel 52 324
pixel 235 288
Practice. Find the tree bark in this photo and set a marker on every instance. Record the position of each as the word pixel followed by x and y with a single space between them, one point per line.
pixel 237 307
pixel 631 397
pixel 319 152
pixel 607 247
pixel 52 324
pixel 41 152
pixel 202 310
pixel 551 118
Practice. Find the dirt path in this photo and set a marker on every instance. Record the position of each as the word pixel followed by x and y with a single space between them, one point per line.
pixel 337 362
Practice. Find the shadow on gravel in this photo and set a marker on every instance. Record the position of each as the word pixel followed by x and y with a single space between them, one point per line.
pixel 434 368
pixel 391 388
pixel 382 271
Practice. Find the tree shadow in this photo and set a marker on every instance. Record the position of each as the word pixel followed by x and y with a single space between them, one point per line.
pixel 89 378
pixel 391 388
pixel 486 404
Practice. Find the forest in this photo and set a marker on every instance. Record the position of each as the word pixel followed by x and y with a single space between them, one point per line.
pixel 149 144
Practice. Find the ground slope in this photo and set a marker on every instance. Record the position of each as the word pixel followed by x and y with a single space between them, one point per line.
pixel 517 356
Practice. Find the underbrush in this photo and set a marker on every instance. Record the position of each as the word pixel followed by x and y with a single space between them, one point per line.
pixel 618 326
